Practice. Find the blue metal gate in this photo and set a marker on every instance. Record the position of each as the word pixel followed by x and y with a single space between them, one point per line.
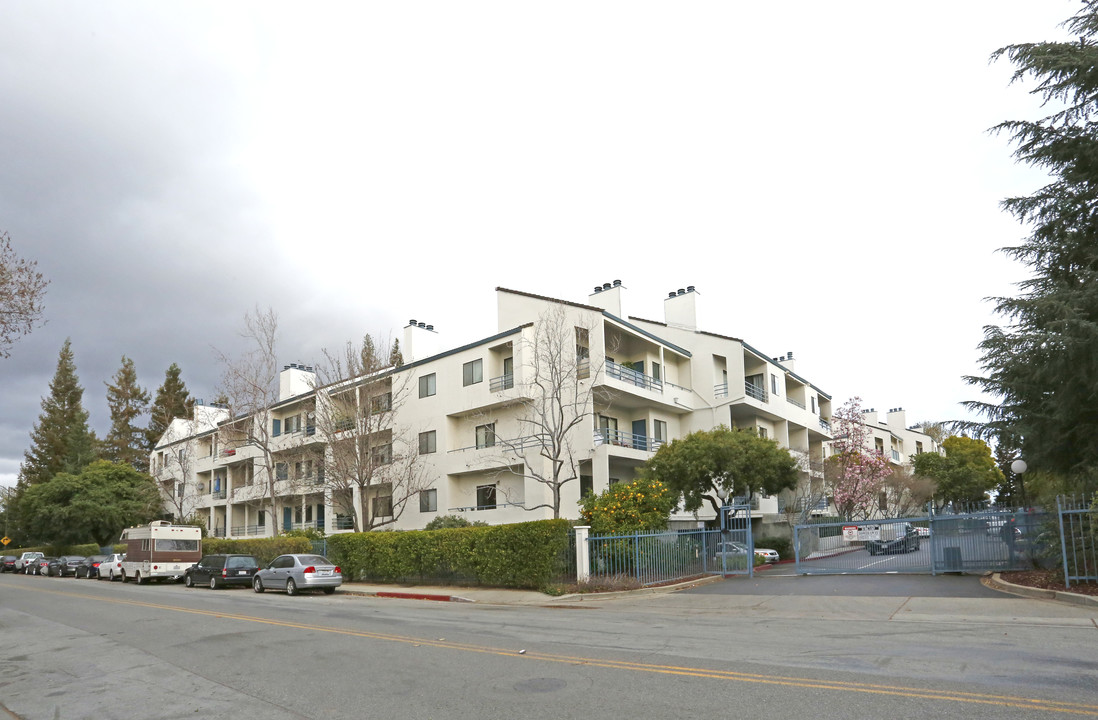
pixel 976 541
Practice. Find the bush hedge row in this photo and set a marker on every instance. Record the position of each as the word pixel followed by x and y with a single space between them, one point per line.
pixel 264 549
pixel 524 555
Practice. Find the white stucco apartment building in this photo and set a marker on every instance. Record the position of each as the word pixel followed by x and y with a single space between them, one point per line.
pixel 465 415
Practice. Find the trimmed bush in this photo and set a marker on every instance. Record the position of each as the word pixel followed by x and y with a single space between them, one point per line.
pixel 264 549
pixel 783 545
pixel 523 555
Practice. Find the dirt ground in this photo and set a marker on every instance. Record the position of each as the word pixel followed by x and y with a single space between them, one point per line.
pixel 1048 580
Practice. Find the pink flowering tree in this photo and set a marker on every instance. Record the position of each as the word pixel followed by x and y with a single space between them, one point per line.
pixel 856 471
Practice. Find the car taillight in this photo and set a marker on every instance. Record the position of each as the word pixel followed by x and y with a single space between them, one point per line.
pixel 95 564
pixel 310 569
pixel 338 571
pixel 224 572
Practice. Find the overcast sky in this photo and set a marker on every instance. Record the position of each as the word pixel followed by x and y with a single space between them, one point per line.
pixel 821 173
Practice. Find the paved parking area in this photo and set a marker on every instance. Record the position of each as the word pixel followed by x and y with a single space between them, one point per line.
pixel 773 581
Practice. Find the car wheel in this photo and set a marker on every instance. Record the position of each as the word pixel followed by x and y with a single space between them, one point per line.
pixel 329 591
pixel 257 585
pixel 124 578
pixel 139 578
pixel 213 583
pixel 188 581
pixel 110 578
pixel 291 587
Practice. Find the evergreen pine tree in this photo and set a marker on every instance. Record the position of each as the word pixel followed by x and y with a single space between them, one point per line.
pixel 1041 367
pixel 172 401
pixel 396 358
pixel 128 401
pixel 60 440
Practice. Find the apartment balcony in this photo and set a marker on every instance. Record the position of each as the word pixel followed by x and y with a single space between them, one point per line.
pixel 248 530
pixel 219 494
pixel 501 383
pixel 217 532
pixel 634 389
pixel 308 526
pixel 616 438
pixel 342 522
pixel 756 392
pixel 720 391
pixel 825 425
pixel 798 403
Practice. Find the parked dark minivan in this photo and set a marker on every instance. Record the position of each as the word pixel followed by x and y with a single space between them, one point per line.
pixel 220 570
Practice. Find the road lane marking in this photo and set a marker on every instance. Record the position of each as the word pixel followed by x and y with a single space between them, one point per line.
pixel 1005 701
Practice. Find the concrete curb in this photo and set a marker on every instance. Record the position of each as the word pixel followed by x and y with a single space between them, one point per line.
pixel 996 582
pixel 641 591
pixel 403 595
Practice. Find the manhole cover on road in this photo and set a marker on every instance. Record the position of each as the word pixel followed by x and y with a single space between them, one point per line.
pixel 535 685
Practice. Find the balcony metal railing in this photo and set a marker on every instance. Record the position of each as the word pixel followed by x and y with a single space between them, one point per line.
pixel 342 522
pixel 633 377
pixel 344 424
pixel 896 455
pixel 798 403
pixel 307 526
pixel 503 382
pixel 825 425
pixel 220 494
pixel 218 532
pixel 720 391
pixel 497 506
pixel 514 445
pixel 606 436
pixel 754 391
pixel 239 530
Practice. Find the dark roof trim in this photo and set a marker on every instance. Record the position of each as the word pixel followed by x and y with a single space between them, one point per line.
pixel 772 361
pixel 650 336
pixel 549 299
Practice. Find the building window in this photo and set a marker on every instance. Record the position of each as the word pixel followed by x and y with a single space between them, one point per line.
pixel 659 431
pixel 276 427
pixel 774 383
pixel 583 344
pixel 427 442
pixel 880 445
pixel 427 385
pixel 918 447
pixel 472 372
pixel 381 403
pixel 656 371
pixel 587 485
pixel 882 502
pixel 813 401
pixel 261 521
pixel 291 424
pixel 282 471
pixel 486 497
pixel 762 432
pixel 179 490
pixel 382 454
pixel 428 501
pixel 383 506
pixel 486 435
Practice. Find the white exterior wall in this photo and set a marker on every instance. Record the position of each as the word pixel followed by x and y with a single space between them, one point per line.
pixel 692 365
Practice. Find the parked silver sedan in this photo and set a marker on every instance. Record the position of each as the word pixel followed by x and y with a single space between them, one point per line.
pixel 294 573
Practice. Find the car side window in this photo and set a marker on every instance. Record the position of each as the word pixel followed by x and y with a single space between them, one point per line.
pixel 285 561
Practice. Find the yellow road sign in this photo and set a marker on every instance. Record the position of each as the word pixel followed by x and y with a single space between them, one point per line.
pixel 5 540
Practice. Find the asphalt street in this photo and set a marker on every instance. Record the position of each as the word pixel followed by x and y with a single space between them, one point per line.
pixel 81 649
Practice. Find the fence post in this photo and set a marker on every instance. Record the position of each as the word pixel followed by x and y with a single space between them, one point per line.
pixel 583 554
pixel 1063 541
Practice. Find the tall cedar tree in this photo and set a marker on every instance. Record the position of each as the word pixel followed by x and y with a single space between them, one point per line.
pixel 60 440
pixel 172 401
pixel 128 401
pixel 1041 367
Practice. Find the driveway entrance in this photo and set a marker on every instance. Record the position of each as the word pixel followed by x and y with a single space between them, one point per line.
pixel 931 544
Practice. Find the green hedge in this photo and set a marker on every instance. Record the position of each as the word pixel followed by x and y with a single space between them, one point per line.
pixel 783 546
pixel 523 555
pixel 264 549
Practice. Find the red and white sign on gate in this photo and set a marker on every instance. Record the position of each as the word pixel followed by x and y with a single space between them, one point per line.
pixel 850 533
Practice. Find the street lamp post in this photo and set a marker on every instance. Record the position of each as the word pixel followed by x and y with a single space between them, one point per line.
pixel 1018 467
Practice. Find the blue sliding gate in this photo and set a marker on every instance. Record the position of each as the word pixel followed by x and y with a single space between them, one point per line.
pixel 976 541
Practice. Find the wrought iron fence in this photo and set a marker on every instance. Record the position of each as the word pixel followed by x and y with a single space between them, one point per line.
pixel 1078 538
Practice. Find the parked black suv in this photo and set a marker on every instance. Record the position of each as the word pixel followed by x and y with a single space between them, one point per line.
pixel 895 538
pixel 220 570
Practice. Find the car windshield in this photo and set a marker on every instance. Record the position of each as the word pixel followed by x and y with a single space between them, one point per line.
pixel 176 545
pixel 244 561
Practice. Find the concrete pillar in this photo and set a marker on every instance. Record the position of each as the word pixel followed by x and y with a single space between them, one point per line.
pixel 583 554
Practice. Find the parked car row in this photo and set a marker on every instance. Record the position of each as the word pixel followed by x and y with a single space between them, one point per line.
pixel 291 573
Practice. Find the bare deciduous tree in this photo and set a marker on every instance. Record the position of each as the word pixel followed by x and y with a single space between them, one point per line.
pixel 372 466
pixel 555 405
pixel 22 288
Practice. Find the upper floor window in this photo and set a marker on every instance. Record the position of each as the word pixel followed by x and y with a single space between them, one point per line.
pixel 659 431
pixel 762 432
pixel 427 442
pixel 383 506
pixel 812 399
pixel 381 403
pixel 427 385
pixel 382 454
pixel 880 445
pixel 774 383
pixel 583 344
pixel 918 447
pixel 486 435
pixel 428 500
pixel 656 370
pixel 472 372
pixel 486 497
pixel 291 424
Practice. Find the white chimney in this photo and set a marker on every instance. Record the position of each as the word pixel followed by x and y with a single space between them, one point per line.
pixel 897 418
pixel 608 297
pixel 788 362
pixel 420 341
pixel 294 380
pixel 679 308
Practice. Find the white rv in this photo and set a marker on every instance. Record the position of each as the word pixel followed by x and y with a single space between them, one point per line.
pixel 160 550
